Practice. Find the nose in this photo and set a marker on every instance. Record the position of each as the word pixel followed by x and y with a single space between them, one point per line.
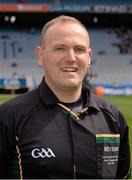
pixel 71 56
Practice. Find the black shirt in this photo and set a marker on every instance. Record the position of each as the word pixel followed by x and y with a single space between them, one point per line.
pixel 40 137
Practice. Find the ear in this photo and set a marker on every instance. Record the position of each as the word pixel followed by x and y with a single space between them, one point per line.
pixel 90 52
pixel 39 55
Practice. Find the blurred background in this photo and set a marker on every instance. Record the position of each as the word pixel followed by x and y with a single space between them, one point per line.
pixel 109 23
pixel 110 28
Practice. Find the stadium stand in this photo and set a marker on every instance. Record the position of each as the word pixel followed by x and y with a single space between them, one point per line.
pixel 108 64
pixel 94 2
pixel 112 47
pixel 17 54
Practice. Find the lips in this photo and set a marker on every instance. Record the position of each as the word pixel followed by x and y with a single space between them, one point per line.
pixel 69 69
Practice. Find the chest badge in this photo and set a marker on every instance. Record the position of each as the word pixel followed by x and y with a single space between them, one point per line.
pixel 42 153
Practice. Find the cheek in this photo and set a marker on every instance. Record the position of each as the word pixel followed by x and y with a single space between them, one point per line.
pixel 83 63
pixel 48 61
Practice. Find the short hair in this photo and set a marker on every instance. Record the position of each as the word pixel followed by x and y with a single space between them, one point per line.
pixel 59 19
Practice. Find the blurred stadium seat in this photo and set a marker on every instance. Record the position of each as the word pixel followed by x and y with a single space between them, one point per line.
pixel 20 31
pixel 94 2
pixel 108 64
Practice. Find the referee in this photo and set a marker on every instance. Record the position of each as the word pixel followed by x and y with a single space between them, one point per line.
pixel 61 130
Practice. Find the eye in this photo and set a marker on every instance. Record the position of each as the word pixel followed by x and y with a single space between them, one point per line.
pixel 60 48
pixel 80 50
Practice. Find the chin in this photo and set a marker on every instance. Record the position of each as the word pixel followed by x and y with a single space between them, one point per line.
pixel 71 85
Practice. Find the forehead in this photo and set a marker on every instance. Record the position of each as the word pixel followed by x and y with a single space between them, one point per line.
pixel 64 30
pixel 66 27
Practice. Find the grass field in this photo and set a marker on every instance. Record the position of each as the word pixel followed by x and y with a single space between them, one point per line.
pixel 124 104
pixel 4 98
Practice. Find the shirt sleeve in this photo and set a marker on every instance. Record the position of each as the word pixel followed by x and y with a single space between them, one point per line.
pixel 7 142
pixel 123 169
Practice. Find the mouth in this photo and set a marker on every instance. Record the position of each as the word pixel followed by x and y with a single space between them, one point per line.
pixel 69 69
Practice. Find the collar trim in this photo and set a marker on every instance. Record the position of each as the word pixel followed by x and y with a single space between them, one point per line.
pixel 68 110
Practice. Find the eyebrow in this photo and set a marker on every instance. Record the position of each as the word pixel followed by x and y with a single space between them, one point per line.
pixel 59 44
pixel 77 45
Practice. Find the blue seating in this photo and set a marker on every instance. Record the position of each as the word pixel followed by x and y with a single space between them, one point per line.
pixel 106 60
pixel 74 2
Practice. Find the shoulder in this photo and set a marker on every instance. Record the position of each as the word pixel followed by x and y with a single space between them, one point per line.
pixel 105 104
pixel 21 103
pixel 110 111
pixel 98 102
pixel 105 107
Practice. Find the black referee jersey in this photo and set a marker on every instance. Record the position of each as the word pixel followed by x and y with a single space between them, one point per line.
pixel 40 137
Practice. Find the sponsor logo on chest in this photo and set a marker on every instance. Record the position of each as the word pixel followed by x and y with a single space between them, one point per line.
pixel 111 149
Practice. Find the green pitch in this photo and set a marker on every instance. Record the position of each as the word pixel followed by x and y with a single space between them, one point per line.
pixel 124 104
pixel 4 98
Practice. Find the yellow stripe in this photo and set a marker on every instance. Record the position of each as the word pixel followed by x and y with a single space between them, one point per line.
pixel 128 173
pixel 107 135
pixel 67 109
pixel 19 159
pixel 84 110
pixel 64 107
pixel 17 139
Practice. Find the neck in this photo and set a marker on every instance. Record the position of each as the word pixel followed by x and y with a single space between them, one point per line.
pixel 66 94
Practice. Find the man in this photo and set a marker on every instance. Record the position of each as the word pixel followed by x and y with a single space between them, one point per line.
pixel 62 130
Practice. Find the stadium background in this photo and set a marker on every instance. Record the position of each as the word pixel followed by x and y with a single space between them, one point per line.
pixel 110 28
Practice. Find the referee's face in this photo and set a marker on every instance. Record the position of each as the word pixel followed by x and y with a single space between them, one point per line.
pixel 66 55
